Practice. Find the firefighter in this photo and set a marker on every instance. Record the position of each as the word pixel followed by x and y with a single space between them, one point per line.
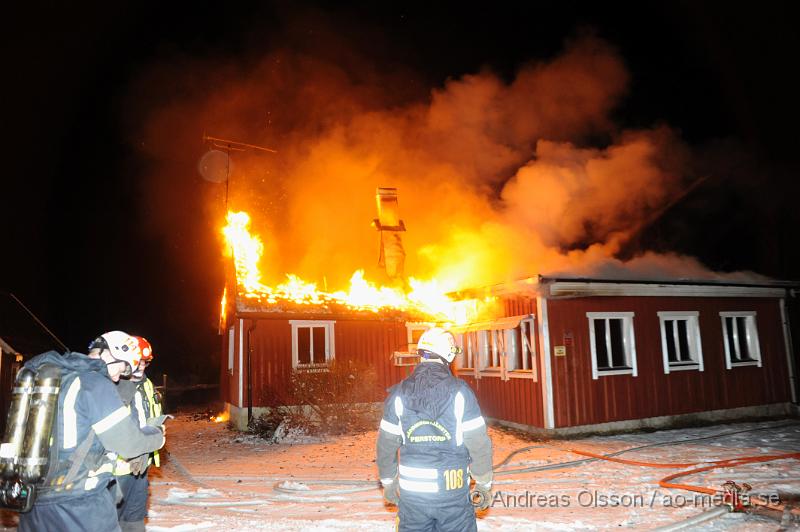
pixel 138 392
pixel 91 425
pixel 434 420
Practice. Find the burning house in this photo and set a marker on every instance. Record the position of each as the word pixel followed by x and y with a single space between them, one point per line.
pixel 545 354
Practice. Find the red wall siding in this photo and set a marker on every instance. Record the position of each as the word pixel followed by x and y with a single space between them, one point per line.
pixel 580 400
pixel 515 400
pixel 374 342
pixel 369 341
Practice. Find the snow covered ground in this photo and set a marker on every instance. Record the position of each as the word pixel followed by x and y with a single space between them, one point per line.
pixel 214 479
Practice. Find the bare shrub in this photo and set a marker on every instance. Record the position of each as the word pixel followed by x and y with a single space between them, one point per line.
pixel 336 400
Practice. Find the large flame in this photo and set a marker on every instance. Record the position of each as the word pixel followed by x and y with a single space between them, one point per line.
pixel 427 298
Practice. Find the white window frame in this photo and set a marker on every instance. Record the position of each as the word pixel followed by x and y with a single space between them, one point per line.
pixel 488 349
pixel 628 343
pixel 231 348
pixel 409 356
pixel 493 352
pixel 463 341
pixel 753 343
pixel 528 347
pixel 693 340
pixel 330 343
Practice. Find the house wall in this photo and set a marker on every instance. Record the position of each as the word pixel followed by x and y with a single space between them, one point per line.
pixel 580 400
pixel 270 340
pixel 515 400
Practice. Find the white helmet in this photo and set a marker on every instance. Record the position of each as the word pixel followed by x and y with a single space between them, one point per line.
pixel 122 346
pixel 439 342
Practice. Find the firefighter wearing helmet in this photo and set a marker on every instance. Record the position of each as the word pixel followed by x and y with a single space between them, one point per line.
pixel 138 392
pixel 90 425
pixel 434 420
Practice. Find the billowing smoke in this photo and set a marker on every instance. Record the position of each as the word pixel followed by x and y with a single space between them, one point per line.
pixel 497 179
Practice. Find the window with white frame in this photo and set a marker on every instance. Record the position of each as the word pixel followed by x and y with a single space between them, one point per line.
pixel 521 350
pixel 740 339
pixel 409 356
pixel 414 331
pixel 312 343
pixel 613 343
pixel 503 348
pixel 231 346
pixel 468 342
pixel 681 347
pixel 493 350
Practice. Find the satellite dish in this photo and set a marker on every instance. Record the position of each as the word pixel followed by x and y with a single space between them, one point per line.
pixel 214 166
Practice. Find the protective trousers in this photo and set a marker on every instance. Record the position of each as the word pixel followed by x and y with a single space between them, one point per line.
pixel 91 512
pixel 435 514
pixel 132 510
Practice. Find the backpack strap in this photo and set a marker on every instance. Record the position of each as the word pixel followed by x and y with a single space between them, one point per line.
pixel 79 457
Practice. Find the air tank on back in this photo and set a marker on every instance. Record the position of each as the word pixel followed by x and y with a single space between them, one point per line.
pixel 16 421
pixel 43 408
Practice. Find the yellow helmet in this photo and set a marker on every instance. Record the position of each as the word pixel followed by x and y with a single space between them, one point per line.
pixel 439 342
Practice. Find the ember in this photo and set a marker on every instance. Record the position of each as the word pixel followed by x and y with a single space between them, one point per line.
pixel 427 298
pixel 222 417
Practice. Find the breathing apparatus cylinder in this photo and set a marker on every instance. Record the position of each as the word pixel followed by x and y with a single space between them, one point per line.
pixel 16 421
pixel 44 405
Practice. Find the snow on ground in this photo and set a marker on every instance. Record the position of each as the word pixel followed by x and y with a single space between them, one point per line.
pixel 213 478
pixel 321 486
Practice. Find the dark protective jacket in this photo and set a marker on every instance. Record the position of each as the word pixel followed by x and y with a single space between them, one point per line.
pixel 91 427
pixel 145 404
pixel 433 418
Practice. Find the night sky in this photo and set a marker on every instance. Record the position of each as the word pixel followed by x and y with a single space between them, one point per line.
pixel 77 244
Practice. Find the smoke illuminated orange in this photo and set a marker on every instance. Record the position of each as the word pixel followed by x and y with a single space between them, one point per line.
pixel 426 298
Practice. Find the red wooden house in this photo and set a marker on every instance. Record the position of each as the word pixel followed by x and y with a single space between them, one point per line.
pixel 558 355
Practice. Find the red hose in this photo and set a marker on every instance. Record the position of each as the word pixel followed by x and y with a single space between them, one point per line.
pixel 730 462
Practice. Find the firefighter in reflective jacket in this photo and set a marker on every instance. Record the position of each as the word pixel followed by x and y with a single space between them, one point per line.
pixel 91 426
pixel 434 420
pixel 139 393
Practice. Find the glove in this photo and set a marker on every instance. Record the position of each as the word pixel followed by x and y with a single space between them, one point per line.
pixel 482 495
pixel 391 493
pixel 158 422
pixel 139 464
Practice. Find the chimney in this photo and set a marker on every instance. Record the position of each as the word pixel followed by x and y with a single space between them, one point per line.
pixel 388 223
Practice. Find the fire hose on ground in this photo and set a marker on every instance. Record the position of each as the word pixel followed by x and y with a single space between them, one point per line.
pixel 300 491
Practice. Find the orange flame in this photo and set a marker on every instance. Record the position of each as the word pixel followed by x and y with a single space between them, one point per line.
pixel 424 297
pixel 222 417
pixel 223 308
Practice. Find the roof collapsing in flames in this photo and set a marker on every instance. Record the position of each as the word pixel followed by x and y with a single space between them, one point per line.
pixel 424 300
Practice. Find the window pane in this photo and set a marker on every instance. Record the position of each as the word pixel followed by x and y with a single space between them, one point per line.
pixel 683 340
pixel 319 344
pixel 469 350
pixel 670 339
pixel 516 349
pixel 600 343
pixel 741 326
pixel 304 345
pixel 731 345
pixel 617 346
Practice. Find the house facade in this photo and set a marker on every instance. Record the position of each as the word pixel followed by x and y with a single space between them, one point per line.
pixel 570 355
pixel 554 355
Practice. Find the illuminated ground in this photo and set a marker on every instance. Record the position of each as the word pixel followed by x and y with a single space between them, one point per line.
pixel 218 479
pixel 239 476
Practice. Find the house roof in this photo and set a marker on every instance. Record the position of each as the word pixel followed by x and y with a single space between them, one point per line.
pixel 326 310
pixel 565 286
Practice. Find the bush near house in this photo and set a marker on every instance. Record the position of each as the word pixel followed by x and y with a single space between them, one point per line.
pixel 330 401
